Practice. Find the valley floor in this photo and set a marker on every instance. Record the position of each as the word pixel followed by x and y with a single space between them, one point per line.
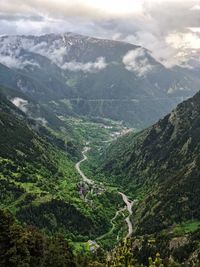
pixel 99 187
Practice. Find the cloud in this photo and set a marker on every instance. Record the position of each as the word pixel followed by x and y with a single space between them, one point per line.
pixel 137 61
pixel 80 8
pixel 20 103
pixel 56 52
pixel 184 40
pixel 42 121
pixel 194 29
pixel 18 63
pixel 196 7
pixel 98 65
pixel 12 57
pixel 161 49
pixel 149 23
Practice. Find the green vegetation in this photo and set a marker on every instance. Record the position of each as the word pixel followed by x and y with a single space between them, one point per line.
pixel 96 131
pixel 187 227
pixel 29 247
pixel 40 185
pixel 71 82
pixel 160 167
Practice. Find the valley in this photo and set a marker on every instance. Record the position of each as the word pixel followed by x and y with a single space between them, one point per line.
pixel 101 188
pixel 38 191
pixel 99 154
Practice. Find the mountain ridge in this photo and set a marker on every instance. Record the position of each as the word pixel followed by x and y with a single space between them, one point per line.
pixel 56 68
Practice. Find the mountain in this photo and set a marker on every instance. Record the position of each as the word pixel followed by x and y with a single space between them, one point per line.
pixel 38 180
pixel 33 110
pixel 160 167
pixel 80 75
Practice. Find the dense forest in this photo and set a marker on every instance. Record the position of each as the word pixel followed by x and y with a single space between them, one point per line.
pixel 39 183
pixel 160 167
pixel 24 246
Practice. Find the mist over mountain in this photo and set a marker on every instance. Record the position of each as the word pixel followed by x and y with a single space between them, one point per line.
pixel 95 77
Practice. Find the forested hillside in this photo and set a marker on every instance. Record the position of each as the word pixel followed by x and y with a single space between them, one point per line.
pixel 160 167
pixel 39 183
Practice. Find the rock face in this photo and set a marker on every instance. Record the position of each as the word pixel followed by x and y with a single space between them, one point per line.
pixel 161 165
pixel 76 74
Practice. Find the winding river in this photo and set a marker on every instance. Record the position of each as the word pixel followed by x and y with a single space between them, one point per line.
pixel 128 203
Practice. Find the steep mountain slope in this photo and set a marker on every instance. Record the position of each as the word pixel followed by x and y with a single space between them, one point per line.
pixel 32 109
pixel 38 181
pixel 42 119
pixel 75 74
pixel 160 166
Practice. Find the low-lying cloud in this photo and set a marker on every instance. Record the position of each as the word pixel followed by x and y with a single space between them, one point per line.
pixel 12 58
pixel 98 65
pixel 18 63
pixel 56 51
pixel 41 121
pixel 137 62
pixel 21 103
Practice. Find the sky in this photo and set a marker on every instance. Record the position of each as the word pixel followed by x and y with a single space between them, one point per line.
pixel 170 29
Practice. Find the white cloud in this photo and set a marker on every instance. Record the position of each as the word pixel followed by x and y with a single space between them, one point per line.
pixel 20 103
pixel 98 65
pixel 184 40
pixel 137 61
pixel 163 53
pixel 9 61
pixel 18 63
pixel 10 56
pixel 194 29
pixel 142 22
pixel 196 7
pixel 42 121
pixel 54 52
pixel 81 8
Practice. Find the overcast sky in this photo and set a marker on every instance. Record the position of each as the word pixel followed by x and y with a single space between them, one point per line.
pixel 168 28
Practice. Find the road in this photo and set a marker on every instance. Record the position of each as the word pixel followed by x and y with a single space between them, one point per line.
pixel 113 224
pixel 128 203
pixel 129 206
pixel 77 166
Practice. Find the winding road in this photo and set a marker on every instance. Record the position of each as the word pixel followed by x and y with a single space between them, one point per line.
pixel 128 203
pixel 113 224
pixel 129 206
pixel 77 166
